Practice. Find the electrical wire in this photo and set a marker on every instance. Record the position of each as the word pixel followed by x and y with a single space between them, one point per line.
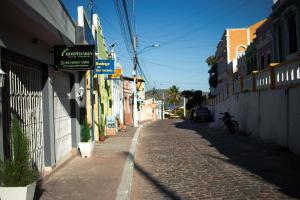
pixel 204 26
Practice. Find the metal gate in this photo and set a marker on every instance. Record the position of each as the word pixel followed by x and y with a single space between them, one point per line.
pixel 62 114
pixel 22 96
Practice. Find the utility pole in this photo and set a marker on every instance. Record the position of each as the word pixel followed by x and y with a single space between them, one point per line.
pixel 163 106
pixel 135 114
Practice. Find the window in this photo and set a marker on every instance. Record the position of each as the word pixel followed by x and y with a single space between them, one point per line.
pixel 292 34
pixel 280 44
pixel 269 58
pixel 240 52
pixel 262 62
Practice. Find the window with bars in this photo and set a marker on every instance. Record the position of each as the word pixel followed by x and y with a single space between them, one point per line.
pixel 292 34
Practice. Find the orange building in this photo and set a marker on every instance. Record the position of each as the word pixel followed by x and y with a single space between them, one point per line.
pixel 232 46
pixel 230 50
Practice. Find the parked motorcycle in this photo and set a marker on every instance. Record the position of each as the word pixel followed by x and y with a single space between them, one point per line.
pixel 231 125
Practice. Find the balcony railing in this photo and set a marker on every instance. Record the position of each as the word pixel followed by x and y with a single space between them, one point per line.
pixel 288 74
pixel 277 76
pixel 263 79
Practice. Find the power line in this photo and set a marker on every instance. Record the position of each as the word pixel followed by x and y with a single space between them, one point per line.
pixel 204 25
pixel 172 24
pixel 125 33
pixel 106 20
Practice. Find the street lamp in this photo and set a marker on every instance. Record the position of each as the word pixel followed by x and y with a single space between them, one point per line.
pixel 150 46
pixel 135 111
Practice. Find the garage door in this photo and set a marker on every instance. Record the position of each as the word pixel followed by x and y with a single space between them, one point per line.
pixel 62 114
pixel 22 96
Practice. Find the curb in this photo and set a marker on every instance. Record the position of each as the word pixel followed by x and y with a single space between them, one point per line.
pixel 124 187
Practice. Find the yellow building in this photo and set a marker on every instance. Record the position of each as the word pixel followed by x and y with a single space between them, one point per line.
pixel 101 93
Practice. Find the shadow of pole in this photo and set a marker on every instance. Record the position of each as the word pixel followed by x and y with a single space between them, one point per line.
pixel 149 177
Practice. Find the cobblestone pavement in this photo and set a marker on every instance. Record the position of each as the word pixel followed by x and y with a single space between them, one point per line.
pixel 179 159
pixel 92 178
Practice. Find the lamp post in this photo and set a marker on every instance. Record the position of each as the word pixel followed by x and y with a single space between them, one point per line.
pixel 135 111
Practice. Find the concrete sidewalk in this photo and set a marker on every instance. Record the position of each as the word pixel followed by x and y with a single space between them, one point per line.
pixel 97 177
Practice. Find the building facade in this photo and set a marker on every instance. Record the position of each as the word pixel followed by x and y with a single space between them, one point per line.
pixel 128 100
pixel 286 30
pixel 229 55
pixel 49 113
pixel 264 45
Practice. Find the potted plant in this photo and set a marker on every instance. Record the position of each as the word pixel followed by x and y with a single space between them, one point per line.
pixel 101 136
pixel 101 132
pixel 86 146
pixel 17 176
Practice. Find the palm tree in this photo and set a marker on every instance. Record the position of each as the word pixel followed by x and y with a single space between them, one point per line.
pixel 174 95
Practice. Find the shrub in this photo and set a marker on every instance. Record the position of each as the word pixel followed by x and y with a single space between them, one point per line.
pixel 18 171
pixel 180 112
pixel 85 131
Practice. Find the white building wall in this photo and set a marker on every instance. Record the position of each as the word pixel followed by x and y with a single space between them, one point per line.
pixel 117 96
pixel 273 115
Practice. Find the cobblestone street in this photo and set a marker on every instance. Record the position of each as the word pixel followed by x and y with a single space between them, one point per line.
pixel 179 159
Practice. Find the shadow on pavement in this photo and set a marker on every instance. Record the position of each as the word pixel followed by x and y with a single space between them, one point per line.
pixel 270 162
pixel 149 177
pixel 38 192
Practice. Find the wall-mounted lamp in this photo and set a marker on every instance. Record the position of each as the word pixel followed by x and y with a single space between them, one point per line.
pixel 80 93
pixel 2 78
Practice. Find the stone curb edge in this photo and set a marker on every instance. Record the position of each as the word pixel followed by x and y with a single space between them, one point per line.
pixel 124 187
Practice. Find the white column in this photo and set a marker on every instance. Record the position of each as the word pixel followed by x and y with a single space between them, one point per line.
pixel 184 110
pixel 163 106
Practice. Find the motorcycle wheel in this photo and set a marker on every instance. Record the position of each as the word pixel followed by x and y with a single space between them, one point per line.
pixel 235 127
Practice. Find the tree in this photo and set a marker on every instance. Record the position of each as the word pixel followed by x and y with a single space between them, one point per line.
pixel 194 98
pixel 213 71
pixel 174 95
pixel 187 93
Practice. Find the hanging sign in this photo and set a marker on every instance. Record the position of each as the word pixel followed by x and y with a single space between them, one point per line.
pixel 111 122
pixel 117 75
pixel 74 57
pixel 105 67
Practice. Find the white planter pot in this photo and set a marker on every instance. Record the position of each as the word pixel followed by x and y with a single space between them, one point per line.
pixel 86 148
pixel 18 193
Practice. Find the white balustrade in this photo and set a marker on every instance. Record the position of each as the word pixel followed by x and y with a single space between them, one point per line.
pixel 287 74
pixel 263 79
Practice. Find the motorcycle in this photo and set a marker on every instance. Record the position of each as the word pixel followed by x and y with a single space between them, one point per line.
pixel 231 125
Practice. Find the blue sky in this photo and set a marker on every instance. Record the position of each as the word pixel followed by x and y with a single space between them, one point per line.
pixel 187 30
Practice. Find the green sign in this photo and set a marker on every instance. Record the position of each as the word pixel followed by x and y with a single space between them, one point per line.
pixel 74 57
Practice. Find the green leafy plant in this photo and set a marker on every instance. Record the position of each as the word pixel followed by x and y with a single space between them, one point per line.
pixel 18 171
pixel 85 131
pixel 180 112
pixel 100 128
pixel 174 96
pixel 213 71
